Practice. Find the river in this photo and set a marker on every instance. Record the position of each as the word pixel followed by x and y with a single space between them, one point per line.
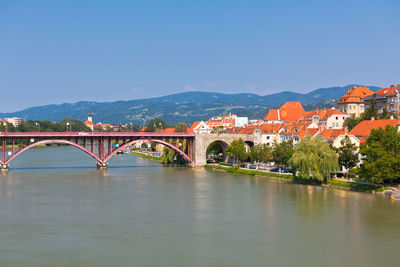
pixel 57 209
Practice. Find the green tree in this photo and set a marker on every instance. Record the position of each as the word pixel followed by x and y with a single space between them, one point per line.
pixel 371 111
pixel 351 122
pixel 313 158
pixel 155 125
pixel 237 150
pixel 181 127
pixel 218 130
pixel 260 153
pixel 215 148
pixel 347 152
pixel 381 161
pixel 282 153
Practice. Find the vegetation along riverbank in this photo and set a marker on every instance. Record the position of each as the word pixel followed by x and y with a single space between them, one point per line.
pixel 339 184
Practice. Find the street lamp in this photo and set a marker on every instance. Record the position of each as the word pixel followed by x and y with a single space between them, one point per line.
pixel 37 127
pixel 68 126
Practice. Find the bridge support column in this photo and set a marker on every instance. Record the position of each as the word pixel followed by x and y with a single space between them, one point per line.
pixel 4 167
pixel 101 165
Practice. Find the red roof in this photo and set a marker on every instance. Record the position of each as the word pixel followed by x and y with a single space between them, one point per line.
pixel 273 115
pixel 364 128
pixel 288 112
pixel 388 90
pixel 323 114
pixel 355 95
pixel 167 130
pixel 331 134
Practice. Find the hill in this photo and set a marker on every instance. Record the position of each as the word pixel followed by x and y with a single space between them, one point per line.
pixel 183 107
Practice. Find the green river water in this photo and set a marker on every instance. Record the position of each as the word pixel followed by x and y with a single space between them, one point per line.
pixel 57 209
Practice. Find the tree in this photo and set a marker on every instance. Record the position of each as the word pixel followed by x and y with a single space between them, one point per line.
pixel 351 122
pixel 260 153
pixel 218 130
pixel 348 156
pixel 313 158
pixel 282 153
pixel 181 127
pixel 170 156
pixel 371 111
pixel 381 161
pixel 237 150
pixel 155 125
pixel 215 148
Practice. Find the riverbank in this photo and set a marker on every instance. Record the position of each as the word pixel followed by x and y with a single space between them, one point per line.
pixel 145 156
pixel 338 184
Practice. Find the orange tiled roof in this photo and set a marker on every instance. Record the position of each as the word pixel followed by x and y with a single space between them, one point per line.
pixel 323 114
pixel 273 115
pixel 270 128
pixel 291 111
pixel 388 90
pixel 167 130
pixel 355 95
pixel 288 112
pixel 249 129
pixel 331 134
pixel 88 123
pixel 194 125
pixel 363 129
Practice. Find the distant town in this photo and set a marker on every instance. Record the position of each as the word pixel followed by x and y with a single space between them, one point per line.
pixel 288 123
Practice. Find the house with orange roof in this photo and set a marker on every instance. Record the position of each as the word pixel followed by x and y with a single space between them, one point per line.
pixel 364 128
pixel 200 127
pixel 288 112
pixel 270 133
pixel 294 131
pixel 328 117
pixel 352 103
pixel 387 98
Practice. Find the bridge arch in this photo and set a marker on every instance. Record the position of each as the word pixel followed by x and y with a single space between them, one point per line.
pixel 53 141
pixel 176 149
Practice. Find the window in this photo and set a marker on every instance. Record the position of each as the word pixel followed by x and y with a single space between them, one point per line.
pixel 337 118
pixel 267 137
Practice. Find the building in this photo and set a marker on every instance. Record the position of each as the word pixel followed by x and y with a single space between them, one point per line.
pixel 288 112
pixel 199 127
pixel 227 121
pixel 352 103
pixel 328 117
pixel 14 121
pixel 364 128
pixel 89 121
pixel 386 99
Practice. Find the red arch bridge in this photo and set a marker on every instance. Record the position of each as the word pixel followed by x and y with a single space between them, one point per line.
pixel 99 145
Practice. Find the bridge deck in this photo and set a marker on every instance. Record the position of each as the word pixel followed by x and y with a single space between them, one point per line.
pixel 95 134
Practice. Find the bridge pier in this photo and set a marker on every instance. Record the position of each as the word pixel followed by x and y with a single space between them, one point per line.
pixel 4 167
pixel 101 165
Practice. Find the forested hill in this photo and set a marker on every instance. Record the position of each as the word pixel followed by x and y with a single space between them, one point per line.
pixel 184 107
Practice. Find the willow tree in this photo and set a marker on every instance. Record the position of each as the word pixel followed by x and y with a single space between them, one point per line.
pixel 313 158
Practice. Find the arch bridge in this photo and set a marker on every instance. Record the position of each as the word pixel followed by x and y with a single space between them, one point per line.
pixel 99 145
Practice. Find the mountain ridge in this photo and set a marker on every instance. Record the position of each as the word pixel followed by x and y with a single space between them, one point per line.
pixel 182 107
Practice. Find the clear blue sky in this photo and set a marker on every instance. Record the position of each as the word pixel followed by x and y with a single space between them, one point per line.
pixel 67 51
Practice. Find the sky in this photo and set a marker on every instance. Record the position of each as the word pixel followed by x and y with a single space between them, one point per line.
pixel 54 52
